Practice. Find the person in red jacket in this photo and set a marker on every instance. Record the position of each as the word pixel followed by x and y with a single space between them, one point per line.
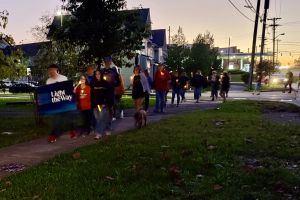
pixel 161 83
pixel 83 97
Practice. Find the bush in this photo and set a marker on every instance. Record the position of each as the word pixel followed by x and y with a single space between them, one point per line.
pixel 245 77
pixel 235 71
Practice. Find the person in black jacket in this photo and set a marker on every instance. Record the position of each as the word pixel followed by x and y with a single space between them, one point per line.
pixel 225 84
pixel 175 87
pixel 215 84
pixel 183 80
pixel 99 104
pixel 111 80
pixel 198 82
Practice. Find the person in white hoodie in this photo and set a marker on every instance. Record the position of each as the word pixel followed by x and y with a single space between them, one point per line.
pixel 140 85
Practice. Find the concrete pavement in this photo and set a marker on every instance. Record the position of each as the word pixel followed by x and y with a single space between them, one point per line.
pixel 237 92
pixel 21 156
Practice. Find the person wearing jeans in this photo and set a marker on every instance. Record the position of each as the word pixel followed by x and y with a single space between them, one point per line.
pixel 161 82
pixel 160 100
pixel 258 84
pixel 147 93
pixel 198 83
pixel 101 114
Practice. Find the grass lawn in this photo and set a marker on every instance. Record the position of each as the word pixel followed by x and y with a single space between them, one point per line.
pixel 127 101
pixel 229 153
pixel 236 78
pixel 8 98
pixel 17 129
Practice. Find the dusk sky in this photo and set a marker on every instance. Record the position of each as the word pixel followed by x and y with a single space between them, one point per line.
pixel 195 16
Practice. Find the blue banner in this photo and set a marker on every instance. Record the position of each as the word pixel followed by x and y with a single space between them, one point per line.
pixel 56 98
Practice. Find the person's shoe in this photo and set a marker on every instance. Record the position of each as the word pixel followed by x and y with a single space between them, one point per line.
pixel 51 139
pixel 72 134
pixel 98 136
pixel 258 94
pixel 114 119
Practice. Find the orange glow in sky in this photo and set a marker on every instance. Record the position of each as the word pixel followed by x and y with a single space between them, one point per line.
pixel 195 16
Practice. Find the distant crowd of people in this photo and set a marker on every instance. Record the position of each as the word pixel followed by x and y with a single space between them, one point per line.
pixel 261 77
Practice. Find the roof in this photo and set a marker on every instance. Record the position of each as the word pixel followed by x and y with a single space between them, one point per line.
pixel 31 49
pixel 5 47
pixel 159 37
pixel 145 14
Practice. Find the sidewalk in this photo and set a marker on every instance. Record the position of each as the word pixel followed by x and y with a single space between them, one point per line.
pixel 25 155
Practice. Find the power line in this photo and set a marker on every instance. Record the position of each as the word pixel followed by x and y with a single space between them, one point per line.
pixel 280 8
pixel 240 11
pixel 292 22
pixel 249 5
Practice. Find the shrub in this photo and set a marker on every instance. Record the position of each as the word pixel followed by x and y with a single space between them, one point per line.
pixel 236 71
pixel 245 77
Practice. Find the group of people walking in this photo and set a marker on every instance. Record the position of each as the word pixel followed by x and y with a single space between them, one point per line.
pixel 99 92
pixel 96 95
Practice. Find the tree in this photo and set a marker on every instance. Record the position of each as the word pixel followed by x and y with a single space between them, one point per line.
pixel 12 63
pixel 265 66
pixel 100 28
pixel 66 55
pixel 297 62
pixel 179 38
pixel 40 32
pixel 178 52
pixel 203 55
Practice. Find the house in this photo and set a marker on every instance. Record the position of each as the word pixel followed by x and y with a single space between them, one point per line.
pixel 5 47
pixel 233 59
pixel 30 50
pixel 154 51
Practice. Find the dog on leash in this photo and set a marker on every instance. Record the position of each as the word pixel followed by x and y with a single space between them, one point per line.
pixel 140 118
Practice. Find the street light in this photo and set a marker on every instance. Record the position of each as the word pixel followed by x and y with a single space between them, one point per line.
pixel 60 13
pixel 279 35
pixel 228 52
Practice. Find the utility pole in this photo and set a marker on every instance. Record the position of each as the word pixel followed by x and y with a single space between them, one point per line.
pixel 262 46
pixel 274 26
pixel 228 53
pixel 169 34
pixel 277 51
pixel 254 44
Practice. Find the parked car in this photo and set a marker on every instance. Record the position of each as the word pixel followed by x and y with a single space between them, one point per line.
pixel 278 79
pixel 21 88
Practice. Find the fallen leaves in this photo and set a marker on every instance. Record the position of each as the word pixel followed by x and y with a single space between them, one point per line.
pixel 76 155
pixel 211 147
pixel 175 175
pixel 8 183
pixel 217 187
pixel 12 167
pixel 219 123
pixel 109 178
